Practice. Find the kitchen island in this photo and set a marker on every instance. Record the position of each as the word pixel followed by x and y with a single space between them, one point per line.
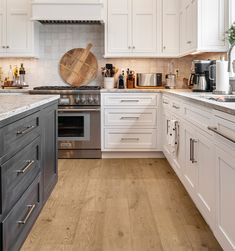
pixel 28 163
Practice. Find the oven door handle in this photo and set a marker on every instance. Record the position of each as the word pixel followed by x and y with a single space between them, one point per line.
pixel 79 110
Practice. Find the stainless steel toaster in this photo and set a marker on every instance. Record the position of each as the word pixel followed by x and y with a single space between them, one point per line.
pixel 149 79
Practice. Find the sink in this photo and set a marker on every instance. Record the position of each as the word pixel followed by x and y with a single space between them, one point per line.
pixel 220 98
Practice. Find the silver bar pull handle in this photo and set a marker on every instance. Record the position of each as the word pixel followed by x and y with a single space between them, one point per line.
pixel 28 129
pixel 215 130
pixel 167 126
pixel 166 103
pixel 191 150
pixel 78 110
pixel 194 141
pixel 30 211
pixel 123 118
pixel 25 169
pixel 176 107
pixel 130 100
pixel 130 139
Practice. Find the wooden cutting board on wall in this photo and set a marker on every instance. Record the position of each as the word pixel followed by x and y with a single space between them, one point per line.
pixel 78 66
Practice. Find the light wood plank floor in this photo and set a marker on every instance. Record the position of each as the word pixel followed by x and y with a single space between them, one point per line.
pixel 114 205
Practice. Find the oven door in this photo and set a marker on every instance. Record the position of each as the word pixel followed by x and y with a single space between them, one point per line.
pixel 79 128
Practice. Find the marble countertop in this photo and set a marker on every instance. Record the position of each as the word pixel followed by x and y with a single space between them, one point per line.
pixel 14 104
pixel 203 99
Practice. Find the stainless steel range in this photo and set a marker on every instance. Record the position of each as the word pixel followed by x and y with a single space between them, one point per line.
pixel 78 120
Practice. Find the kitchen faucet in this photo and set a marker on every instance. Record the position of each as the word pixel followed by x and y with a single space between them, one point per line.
pixel 230 70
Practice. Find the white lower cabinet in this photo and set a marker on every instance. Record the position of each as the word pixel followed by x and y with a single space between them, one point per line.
pixel 225 199
pixel 130 122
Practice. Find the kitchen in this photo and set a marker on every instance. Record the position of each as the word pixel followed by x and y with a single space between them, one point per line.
pixel 88 164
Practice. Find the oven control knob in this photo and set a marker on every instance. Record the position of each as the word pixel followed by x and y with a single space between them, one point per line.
pixel 78 100
pixel 83 100
pixel 91 100
pixel 96 100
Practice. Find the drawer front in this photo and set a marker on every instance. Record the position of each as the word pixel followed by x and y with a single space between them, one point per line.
pixel 130 117
pixel 19 221
pixel 176 107
pixel 19 133
pixel 133 139
pixel 198 116
pixel 130 100
pixel 18 173
pixel 166 104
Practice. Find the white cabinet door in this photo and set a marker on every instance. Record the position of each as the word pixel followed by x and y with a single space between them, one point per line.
pixel 212 23
pixel 191 25
pixel 144 26
pixel 19 27
pixel 225 199
pixel 190 168
pixel 170 27
pixel 206 177
pixel 2 26
pixel 119 27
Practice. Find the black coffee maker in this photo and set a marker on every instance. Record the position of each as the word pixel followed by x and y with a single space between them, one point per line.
pixel 203 74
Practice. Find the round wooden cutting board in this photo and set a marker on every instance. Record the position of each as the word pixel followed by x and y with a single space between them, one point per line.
pixel 78 66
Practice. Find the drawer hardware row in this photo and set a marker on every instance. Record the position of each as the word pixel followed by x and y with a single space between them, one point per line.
pixel 30 211
pixel 130 100
pixel 28 129
pixel 215 130
pixel 25 169
pixel 6 47
pixel 192 150
pixel 130 139
pixel 123 118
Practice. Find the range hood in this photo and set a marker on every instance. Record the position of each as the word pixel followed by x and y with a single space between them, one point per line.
pixel 67 11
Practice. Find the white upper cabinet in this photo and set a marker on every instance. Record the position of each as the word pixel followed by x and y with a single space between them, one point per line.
pixel 170 28
pixel 202 26
pixel 131 29
pixel 144 26
pixel 119 27
pixel 2 25
pixel 17 32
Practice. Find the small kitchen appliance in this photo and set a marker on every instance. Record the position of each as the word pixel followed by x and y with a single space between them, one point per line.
pixel 78 120
pixel 171 77
pixel 203 76
pixel 149 79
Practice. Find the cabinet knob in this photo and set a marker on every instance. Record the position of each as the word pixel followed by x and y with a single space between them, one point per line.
pixel 189 42
pixel 7 46
pixel 3 47
pixel 164 47
pixel 129 47
pixel 133 47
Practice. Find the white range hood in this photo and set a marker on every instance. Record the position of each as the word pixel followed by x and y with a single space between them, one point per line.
pixel 67 11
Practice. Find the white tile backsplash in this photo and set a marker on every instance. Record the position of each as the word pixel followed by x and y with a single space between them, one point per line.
pixel 55 40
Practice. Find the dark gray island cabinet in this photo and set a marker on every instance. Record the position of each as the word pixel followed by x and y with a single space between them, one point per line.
pixel 28 170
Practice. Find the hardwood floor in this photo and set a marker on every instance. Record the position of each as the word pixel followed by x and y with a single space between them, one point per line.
pixel 112 205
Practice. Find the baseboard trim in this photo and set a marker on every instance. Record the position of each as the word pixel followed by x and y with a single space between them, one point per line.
pixel 132 155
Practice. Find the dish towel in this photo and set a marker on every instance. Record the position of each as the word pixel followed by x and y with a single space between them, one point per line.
pixel 173 136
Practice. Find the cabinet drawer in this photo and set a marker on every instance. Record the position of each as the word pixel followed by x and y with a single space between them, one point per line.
pixel 199 116
pixel 18 173
pixel 130 100
pixel 144 139
pixel 19 221
pixel 130 117
pixel 176 107
pixel 19 134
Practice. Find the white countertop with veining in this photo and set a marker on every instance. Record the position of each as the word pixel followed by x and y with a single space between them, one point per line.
pixel 14 104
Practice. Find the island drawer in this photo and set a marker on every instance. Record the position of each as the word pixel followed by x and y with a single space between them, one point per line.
pixel 18 134
pixel 130 117
pixel 16 226
pixel 18 173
